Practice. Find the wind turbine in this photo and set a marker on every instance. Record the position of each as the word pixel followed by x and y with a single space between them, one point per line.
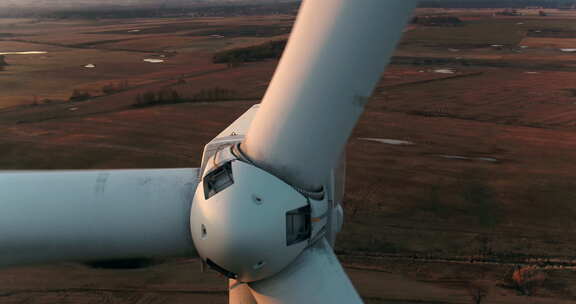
pixel 264 208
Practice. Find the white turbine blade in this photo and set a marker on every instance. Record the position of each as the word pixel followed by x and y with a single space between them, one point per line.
pixel 316 277
pixel 336 54
pixel 94 215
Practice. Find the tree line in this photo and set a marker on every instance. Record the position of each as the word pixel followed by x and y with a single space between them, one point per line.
pixel 171 96
pixel 268 50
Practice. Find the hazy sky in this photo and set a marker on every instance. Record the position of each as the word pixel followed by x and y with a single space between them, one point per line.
pixel 59 3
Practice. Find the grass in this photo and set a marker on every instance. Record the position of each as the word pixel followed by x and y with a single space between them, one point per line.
pixel 485 32
pixel 246 31
pixel 479 33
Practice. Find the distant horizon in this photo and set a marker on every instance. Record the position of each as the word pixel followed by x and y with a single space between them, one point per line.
pixel 59 4
pixel 67 4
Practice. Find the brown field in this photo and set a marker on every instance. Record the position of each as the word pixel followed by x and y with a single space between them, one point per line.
pixel 486 184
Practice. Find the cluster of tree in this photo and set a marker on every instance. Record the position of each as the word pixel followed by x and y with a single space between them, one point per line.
pixel 172 96
pixel 527 279
pixel 509 12
pixel 437 21
pixel 112 88
pixel 3 62
pixel 215 94
pixel 494 3
pixel 478 291
pixel 234 57
pixel 78 95
pixel 163 96
pixel 36 101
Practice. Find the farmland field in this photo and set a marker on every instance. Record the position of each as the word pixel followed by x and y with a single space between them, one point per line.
pixel 460 171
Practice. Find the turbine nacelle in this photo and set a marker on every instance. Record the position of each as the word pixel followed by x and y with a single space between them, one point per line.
pixel 249 224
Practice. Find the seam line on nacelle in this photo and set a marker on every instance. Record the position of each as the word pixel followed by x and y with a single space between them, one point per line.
pixel 314 195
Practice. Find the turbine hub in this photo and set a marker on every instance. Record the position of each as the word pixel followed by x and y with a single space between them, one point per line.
pixel 246 223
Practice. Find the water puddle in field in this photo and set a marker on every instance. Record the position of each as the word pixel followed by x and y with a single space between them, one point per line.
pixel 487 159
pixel 24 53
pixel 153 60
pixel 459 157
pixel 394 142
pixel 444 71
